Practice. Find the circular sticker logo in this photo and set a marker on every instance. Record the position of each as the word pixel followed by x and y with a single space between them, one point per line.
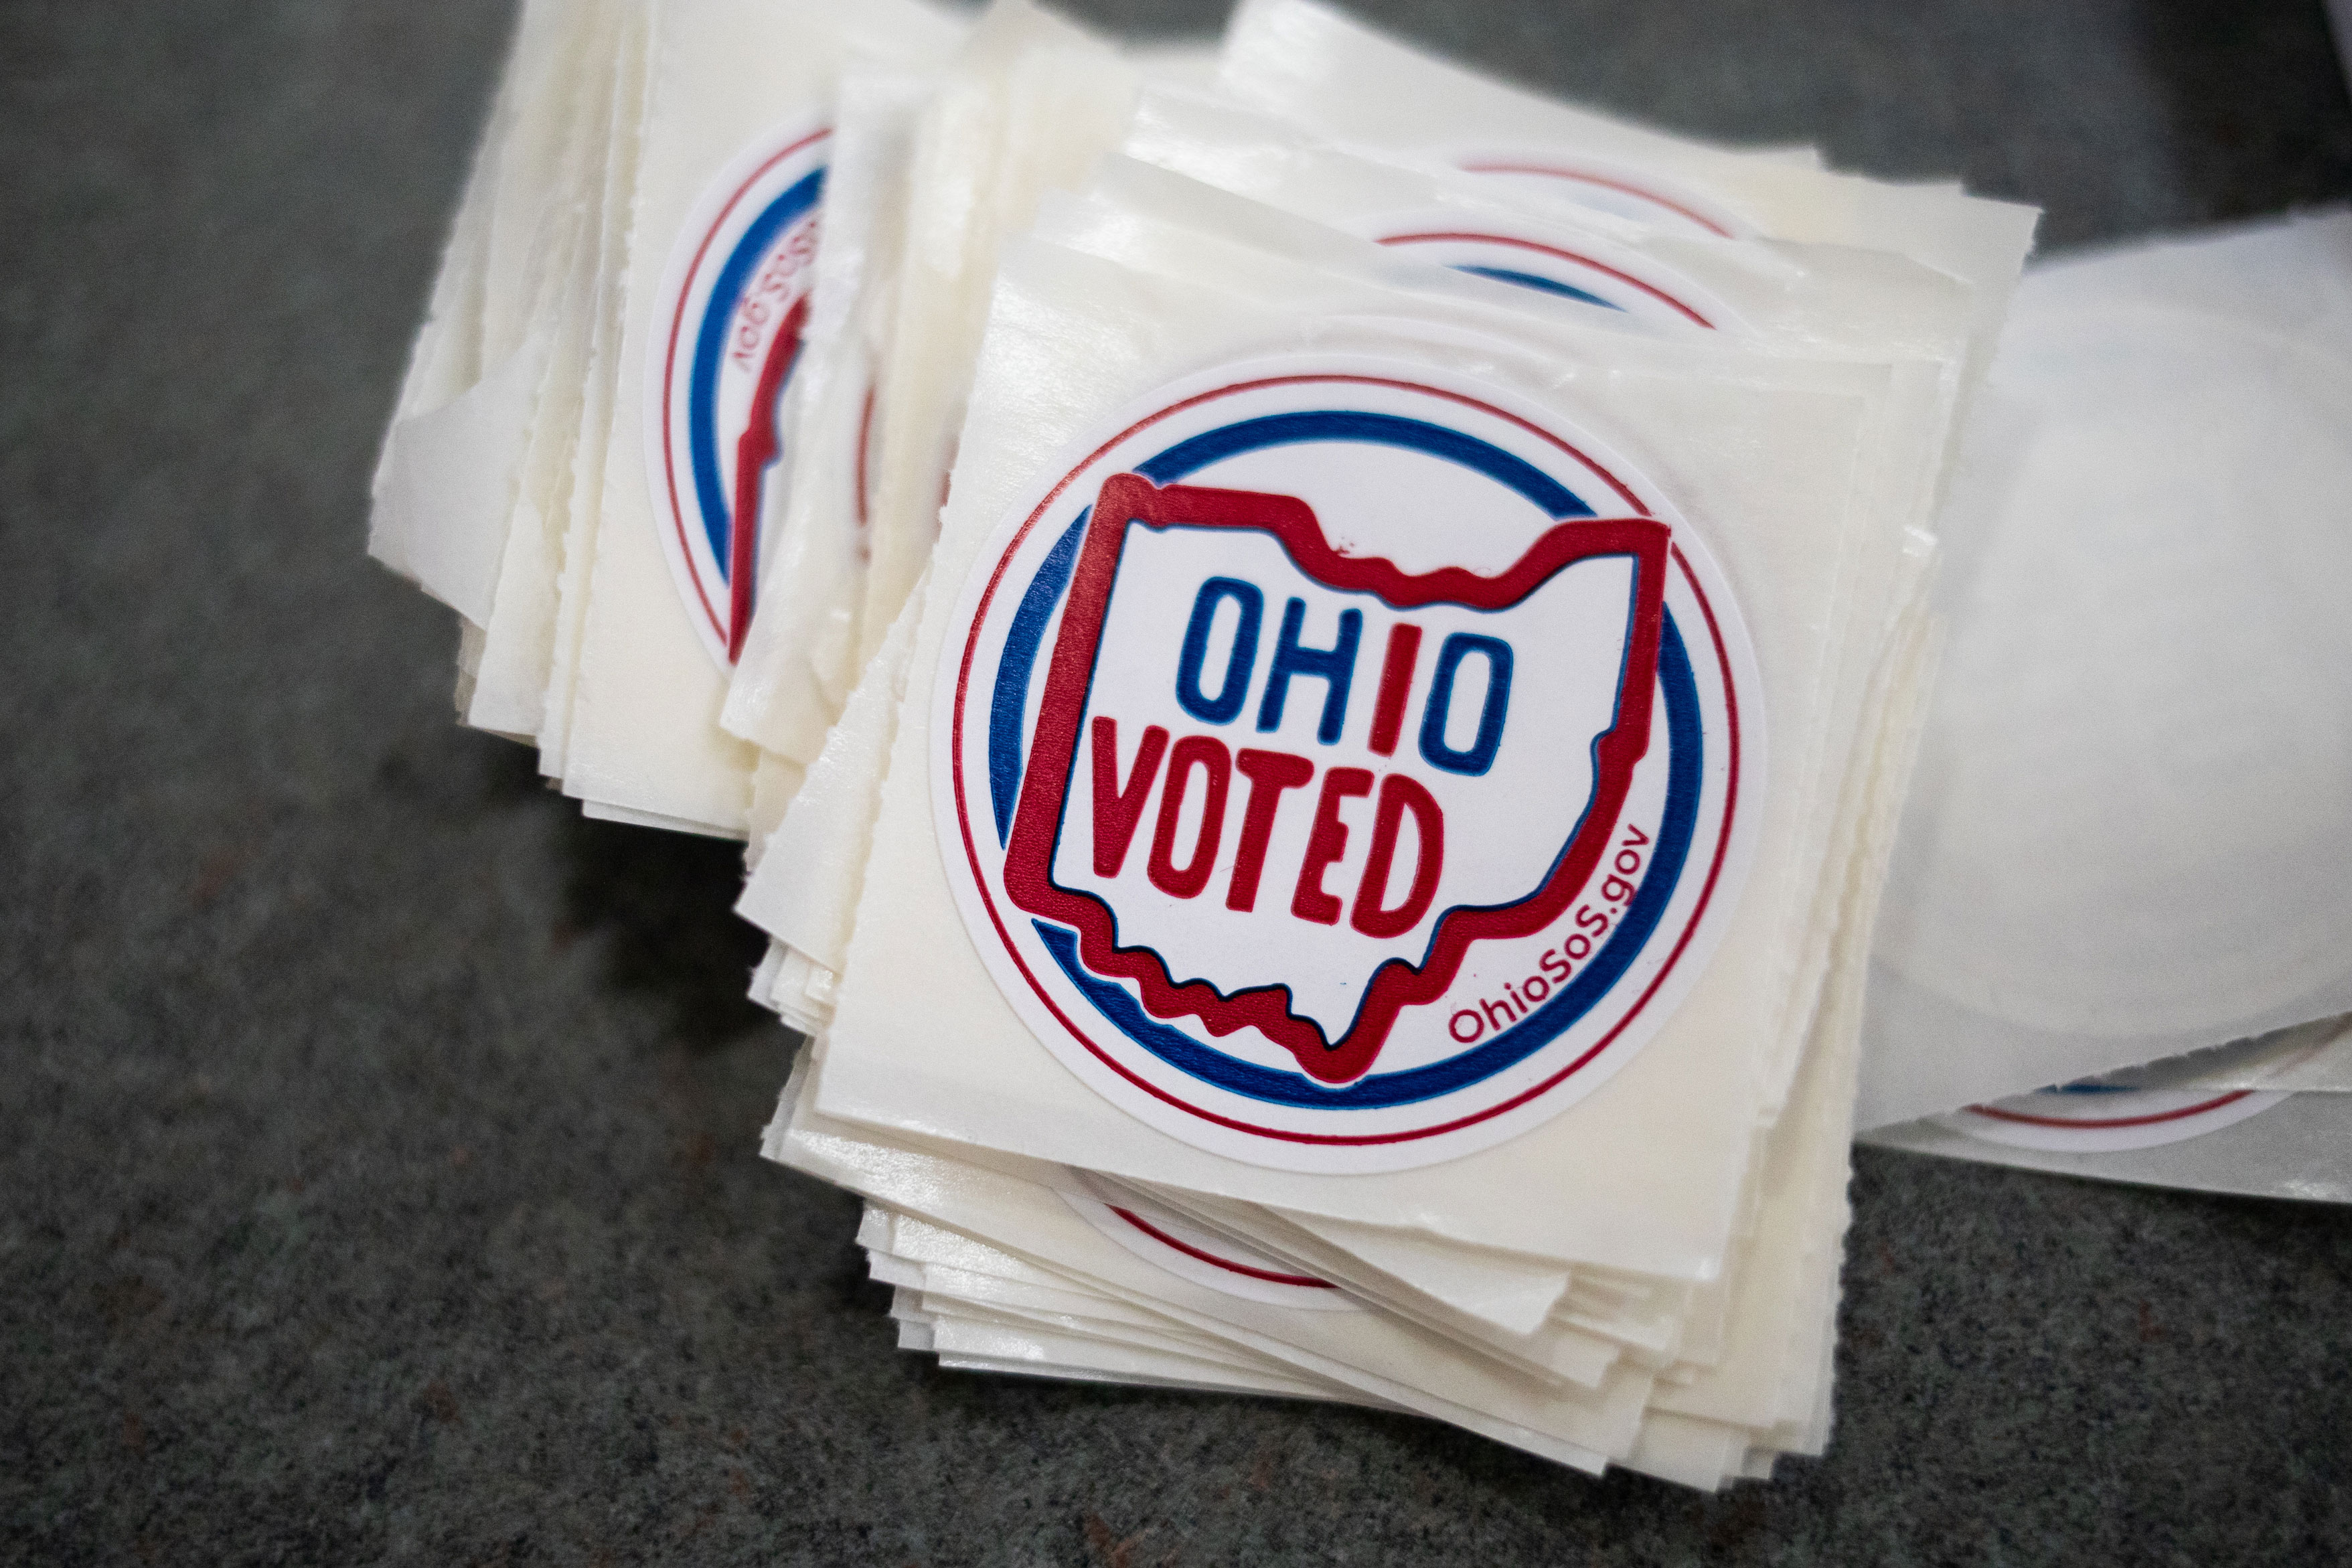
pixel 733 306
pixel 2098 1118
pixel 1194 1252
pixel 1550 261
pixel 1343 767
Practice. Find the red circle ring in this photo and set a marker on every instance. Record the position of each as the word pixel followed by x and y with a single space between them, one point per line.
pixel 2112 1121
pixel 1303 1281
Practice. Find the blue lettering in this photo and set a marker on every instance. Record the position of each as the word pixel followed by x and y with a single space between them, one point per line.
pixel 1336 666
pixel 1481 753
pixel 1234 689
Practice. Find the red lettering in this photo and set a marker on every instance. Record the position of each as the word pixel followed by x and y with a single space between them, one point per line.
pixel 1116 810
pixel 1209 754
pixel 1400 794
pixel 1396 684
pixel 1638 836
pixel 773 280
pixel 1327 841
pixel 1551 963
pixel 1269 774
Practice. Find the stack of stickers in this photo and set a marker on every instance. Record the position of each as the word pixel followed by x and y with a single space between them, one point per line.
pixel 1317 657
pixel 546 475
pixel 2132 834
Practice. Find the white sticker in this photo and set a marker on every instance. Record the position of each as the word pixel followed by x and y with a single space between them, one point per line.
pixel 1340 767
pixel 733 307
pixel 2096 1119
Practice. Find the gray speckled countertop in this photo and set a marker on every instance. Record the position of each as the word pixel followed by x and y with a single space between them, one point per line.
pixel 378 1144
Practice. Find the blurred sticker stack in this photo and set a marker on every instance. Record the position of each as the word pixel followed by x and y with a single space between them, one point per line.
pixel 1317 657
pixel 2129 854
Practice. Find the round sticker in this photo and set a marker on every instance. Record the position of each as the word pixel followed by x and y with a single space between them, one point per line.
pixel 1342 767
pixel 734 305
pixel 1621 190
pixel 2096 1118
pixel 1194 1252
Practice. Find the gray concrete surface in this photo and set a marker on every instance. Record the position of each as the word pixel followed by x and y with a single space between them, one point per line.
pixel 377 1171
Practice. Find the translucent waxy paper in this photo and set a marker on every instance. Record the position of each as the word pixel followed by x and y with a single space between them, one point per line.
pixel 2314 1058
pixel 513 673
pixel 2134 823
pixel 806 888
pixel 451 462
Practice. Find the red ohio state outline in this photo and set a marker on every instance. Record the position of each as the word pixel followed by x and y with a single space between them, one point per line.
pixel 755 448
pixel 1127 498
